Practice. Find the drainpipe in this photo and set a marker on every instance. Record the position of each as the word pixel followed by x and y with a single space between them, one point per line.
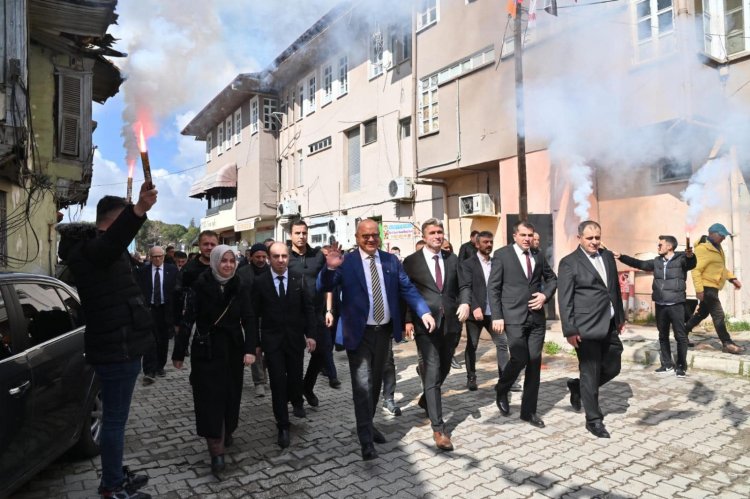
pixel 735 194
pixel 415 90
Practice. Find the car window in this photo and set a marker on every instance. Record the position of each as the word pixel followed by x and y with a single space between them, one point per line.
pixel 45 314
pixel 6 346
pixel 74 308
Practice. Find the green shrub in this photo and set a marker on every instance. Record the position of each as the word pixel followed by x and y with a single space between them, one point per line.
pixel 551 348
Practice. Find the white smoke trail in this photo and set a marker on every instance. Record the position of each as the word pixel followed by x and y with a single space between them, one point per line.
pixel 705 187
pixel 580 175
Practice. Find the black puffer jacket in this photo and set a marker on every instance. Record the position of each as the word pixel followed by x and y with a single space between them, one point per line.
pixel 668 287
pixel 118 322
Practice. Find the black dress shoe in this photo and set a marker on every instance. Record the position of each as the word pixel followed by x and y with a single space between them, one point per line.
pixel 334 383
pixel 368 452
pixel 299 411
pixel 597 429
pixel 228 440
pixel 391 407
pixel 377 437
pixel 575 394
pixel 503 404
pixel 533 420
pixel 283 440
pixel 471 383
pixel 217 464
pixel 312 399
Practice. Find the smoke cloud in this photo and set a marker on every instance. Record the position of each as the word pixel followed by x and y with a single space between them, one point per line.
pixel 705 188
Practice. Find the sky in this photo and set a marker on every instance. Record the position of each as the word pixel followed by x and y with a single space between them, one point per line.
pixel 181 53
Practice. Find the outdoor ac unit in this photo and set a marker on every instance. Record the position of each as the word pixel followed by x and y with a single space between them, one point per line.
pixel 288 208
pixel 400 188
pixel 476 205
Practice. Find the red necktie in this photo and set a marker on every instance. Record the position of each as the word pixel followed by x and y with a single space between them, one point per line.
pixel 438 273
pixel 528 264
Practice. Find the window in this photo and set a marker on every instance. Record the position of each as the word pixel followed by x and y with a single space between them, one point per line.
pixel 298 169
pixel 669 170
pixel 319 145
pixel 283 109
pixel 371 131
pixel 376 54
pixel 73 138
pixel 301 99
pixel 6 343
pixel 472 63
pixel 74 308
pixel 327 84
pixel 292 104
pixel 428 105
pixel 228 133
pixel 725 23
pixel 654 28
pixel 343 75
pixel 238 126
pixel 353 150
pixel 3 229
pixel 311 89
pixel 404 128
pixel 45 314
pixel 254 115
pixel 220 137
pixel 400 44
pixel 209 145
pixel 270 121
pixel 427 13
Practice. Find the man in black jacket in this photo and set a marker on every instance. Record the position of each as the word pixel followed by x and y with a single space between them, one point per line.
pixel 257 265
pixel 118 322
pixel 670 270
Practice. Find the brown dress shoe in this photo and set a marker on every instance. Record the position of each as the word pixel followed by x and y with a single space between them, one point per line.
pixel 732 348
pixel 442 441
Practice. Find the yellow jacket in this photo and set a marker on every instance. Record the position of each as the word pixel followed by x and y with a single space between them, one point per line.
pixel 711 269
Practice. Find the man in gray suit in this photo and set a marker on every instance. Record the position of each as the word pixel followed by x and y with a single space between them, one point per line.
pixel 592 318
pixel 517 304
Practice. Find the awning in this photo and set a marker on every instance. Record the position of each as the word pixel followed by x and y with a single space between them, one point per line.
pixel 226 176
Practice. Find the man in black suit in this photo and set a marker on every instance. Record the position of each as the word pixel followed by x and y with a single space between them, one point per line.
pixel 258 264
pixel 592 318
pixel 158 282
pixel 469 248
pixel 285 322
pixel 476 272
pixel 435 275
pixel 517 303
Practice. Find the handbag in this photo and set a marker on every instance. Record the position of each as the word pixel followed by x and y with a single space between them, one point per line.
pixel 201 348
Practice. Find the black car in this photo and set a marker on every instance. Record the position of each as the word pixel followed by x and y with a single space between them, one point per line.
pixel 49 397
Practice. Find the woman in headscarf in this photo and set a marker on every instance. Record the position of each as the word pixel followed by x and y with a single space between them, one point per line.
pixel 219 305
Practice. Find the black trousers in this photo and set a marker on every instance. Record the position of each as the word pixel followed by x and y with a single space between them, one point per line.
pixel 526 342
pixel 285 379
pixel 711 305
pixel 389 375
pixel 473 331
pixel 436 349
pixel 156 358
pixel 672 315
pixel 321 357
pixel 366 365
pixel 599 361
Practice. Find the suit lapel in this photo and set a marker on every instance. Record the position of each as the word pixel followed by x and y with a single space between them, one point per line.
pixel 588 264
pixel 358 268
pixel 428 275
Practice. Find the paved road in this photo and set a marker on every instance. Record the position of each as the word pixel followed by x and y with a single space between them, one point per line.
pixel 670 438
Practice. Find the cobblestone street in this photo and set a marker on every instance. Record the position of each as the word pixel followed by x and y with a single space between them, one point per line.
pixel 670 438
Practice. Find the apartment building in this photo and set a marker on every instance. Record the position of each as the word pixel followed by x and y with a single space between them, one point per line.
pixel 404 114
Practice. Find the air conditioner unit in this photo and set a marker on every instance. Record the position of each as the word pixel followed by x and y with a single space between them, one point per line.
pixel 476 205
pixel 400 188
pixel 288 208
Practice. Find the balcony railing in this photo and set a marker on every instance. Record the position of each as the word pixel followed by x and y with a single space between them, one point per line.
pixel 222 207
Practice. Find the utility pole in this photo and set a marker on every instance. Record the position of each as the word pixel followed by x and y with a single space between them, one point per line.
pixel 523 211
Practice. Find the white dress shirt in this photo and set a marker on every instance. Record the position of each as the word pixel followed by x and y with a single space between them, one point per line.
pixel 276 281
pixel 368 278
pixel 487 269
pixel 429 257
pixel 522 258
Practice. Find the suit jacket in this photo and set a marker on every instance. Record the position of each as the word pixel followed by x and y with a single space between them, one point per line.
pixel 585 302
pixel 510 289
pixel 170 287
pixel 472 273
pixel 355 303
pixel 282 321
pixel 443 304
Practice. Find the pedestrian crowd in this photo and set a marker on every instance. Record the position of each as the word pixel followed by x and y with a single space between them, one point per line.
pixel 266 308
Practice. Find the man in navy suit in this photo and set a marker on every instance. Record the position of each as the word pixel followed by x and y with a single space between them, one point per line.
pixel 517 302
pixel 434 273
pixel 592 318
pixel 158 282
pixel 372 282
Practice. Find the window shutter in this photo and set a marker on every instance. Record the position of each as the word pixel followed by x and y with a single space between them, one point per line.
pixel 69 131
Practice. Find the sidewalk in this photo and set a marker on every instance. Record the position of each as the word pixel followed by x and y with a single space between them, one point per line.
pixel 642 347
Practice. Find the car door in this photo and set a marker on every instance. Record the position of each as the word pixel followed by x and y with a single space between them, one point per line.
pixel 55 355
pixel 15 397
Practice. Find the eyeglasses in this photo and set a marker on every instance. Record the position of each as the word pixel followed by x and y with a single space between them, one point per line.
pixel 369 236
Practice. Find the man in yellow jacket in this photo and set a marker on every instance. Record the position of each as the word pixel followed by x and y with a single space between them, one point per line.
pixel 709 276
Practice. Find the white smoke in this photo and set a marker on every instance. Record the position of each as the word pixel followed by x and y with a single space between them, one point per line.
pixel 580 175
pixel 706 187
